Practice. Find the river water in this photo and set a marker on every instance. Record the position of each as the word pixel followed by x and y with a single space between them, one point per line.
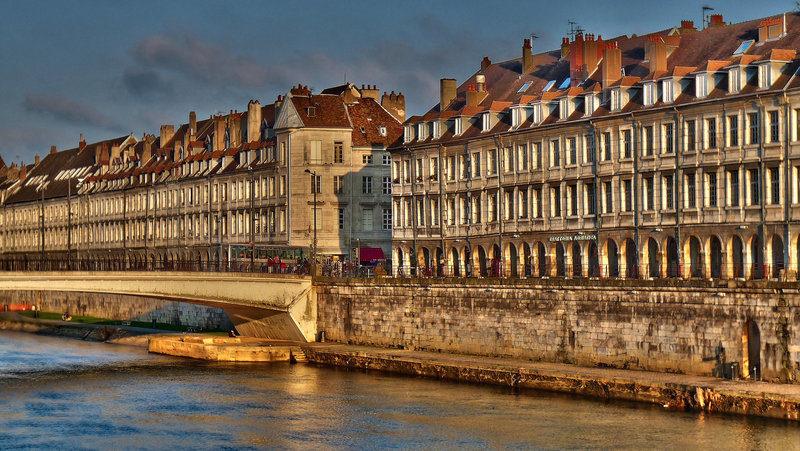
pixel 66 394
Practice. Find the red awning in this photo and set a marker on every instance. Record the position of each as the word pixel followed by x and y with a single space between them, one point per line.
pixel 371 254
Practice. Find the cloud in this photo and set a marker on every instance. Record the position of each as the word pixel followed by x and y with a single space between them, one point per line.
pixel 146 83
pixel 67 110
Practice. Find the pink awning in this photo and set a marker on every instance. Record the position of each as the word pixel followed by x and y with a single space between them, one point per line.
pixel 371 254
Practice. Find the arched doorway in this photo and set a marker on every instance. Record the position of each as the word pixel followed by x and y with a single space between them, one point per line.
pixel 756 258
pixel 513 260
pixel 526 258
pixel 673 266
pixel 715 248
pixel 439 262
pixel 467 257
pixel 482 262
pixel 653 263
pixel 695 257
pixel 612 257
pixel 631 264
pixel 594 261
pixel 751 350
pixel 777 257
pixel 456 263
pixel 561 264
pixel 497 261
pixel 577 264
pixel 541 256
pixel 737 255
pixel 426 262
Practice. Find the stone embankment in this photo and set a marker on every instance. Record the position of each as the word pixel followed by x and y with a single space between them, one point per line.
pixel 225 349
pixel 672 391
pixel 81 331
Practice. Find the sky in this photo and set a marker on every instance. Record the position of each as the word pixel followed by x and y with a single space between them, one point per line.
pixel 110 68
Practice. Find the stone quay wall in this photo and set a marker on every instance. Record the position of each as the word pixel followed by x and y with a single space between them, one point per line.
pixel 123 307
pixel 669 326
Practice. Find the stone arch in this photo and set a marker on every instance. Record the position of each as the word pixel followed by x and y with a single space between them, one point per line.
pixel 561 260
pixel 577 263
pixel 481 257
pixel 425 261
pixel 513 260
pixel 527 259
pixel 631 259
pixel 751 350
pixel 455 262
pixel 468 262
pixel 777 256
pixel 496 262
pixel 611 258
pixel 715 256
pixel 400 259
pixel 653 259
pixel 593 259
pixel 695 257
pixel 541 257
pixel 673 260
pixel 737 257
pixel 756 258
pixel 439 263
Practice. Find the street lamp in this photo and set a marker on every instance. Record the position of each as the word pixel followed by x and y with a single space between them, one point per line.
pixel 314 191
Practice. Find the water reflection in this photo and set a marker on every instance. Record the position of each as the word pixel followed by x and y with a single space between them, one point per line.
pixel 148 402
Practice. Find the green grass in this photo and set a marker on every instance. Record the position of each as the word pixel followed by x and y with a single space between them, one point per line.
pixel 110 322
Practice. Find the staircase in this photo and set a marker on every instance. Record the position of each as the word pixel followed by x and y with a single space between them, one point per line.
pixel 297 355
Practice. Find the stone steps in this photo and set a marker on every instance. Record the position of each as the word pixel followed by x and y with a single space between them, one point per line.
pixel 297 355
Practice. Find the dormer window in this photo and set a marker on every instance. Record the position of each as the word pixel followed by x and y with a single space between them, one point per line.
pixel 458 126
pixel 764 81
pixel 701 85
pixel 487 122
pixel 408 134
pixel 563 108
pixel 518 116
pixel 734 80
pixel 537 114
pixel 311 111
pixel 590 104
pixel 668 90
pixel 382 130
pixel 436 129
pixel 616 99
pixel 422 131
pixel 649 94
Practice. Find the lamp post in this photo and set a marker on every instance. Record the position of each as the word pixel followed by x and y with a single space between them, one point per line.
pixel 314 191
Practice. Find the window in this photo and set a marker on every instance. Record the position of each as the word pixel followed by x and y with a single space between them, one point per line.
pixel 774 127
pixel 476 164
pixel 606 146
pixel 616 101
pixel 590 198
pixel 733 131
pixel 316 152
pixel 711 177
pixel 434 203
pixel 755 195
pixel 572 150
pixel 626 143
pixel 508 159
pixel 649 187
pixel 522 157
pixel 491 162
pixel 366 184
pixel 701 85
pixel 434 168
pixel 734 80
pixel 522 206
pixel 733 187
pixel 691 135
pixel 387 185
pixel 387 219
pixel 711 133
pixel 669 138
pixel 436 128
pixel 366 159
pixel 366 219
pixel 555 201
pixel 282 187
pixel 775 186
pixel 627 191
pixel 492 198
pixel 589 148
pixel 316 181
pixel 796 124
pixel 609 197
pixel 338 152
pixel 458 126
pixel 420 211
pixel 338 184
pixel 691 191
pixel 341 219
pixel 649 94
pixel 648 140
pixel 555 156
pixel 669 192
pixel 764 76
pixel 572 191
pixel 387 159
pixel 537 193
pixel 752 122
pixel 669 92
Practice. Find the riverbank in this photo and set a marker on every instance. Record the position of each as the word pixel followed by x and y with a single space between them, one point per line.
pixel 672 391
pixel 128 335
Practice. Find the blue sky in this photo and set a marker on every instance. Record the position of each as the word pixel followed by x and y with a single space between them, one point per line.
pixel 109 68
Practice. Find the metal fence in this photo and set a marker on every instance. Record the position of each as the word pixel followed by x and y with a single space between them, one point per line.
pixel 238 266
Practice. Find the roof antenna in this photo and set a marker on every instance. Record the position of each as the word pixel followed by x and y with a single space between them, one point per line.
pixel 706 8
pixel 572 29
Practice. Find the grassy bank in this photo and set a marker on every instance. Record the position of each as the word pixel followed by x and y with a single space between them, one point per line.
pixel 110 322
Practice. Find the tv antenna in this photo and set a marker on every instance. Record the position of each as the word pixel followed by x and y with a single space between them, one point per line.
pixel 706 9
pixel 533 36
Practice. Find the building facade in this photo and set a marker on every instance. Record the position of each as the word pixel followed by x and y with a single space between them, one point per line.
pixel 674 154
pixel 229 188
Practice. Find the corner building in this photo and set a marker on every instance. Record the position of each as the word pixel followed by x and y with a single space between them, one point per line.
pixel 673 154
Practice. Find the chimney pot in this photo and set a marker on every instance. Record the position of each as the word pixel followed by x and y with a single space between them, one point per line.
pixel 486 62
pixel 52 149
pixel 36 159
pixel 527 57
pixel 447 92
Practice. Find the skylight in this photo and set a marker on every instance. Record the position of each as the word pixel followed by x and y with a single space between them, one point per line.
pixel 525 87
pixel 742 48
pixel 549 85
pixel 565 83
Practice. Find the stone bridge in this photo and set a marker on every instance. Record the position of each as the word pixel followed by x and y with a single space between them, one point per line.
pixel 266 306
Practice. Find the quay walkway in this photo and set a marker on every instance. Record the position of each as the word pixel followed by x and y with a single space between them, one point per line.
pixel 672 391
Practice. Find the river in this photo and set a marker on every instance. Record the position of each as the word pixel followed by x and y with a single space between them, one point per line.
pixel 60 393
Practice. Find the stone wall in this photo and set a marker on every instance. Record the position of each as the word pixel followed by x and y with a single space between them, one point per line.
pixel 124 307
pixel 680 326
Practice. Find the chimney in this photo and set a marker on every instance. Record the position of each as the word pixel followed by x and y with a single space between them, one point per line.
pixel 472 95
pixel 656 53
pixel 716 21
pixel 480 82
pixel 612 64
pixel 486 62
pixel 254 121
pixel 167 131
pixel 447 92
pixel 370 92
pixel 527 57
pixel 591 57
pixel 771 28
pixel 36 160
pixel 114 152
pixel 52 149
pixel 147 149
pixel 235 129
pixel 279 101
pixel 81 142
pixel 192 125
pixel 564 48
pixel 219 133
pixel 687 26
pixel 23 171
pixel 395 104
pixel 576 59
